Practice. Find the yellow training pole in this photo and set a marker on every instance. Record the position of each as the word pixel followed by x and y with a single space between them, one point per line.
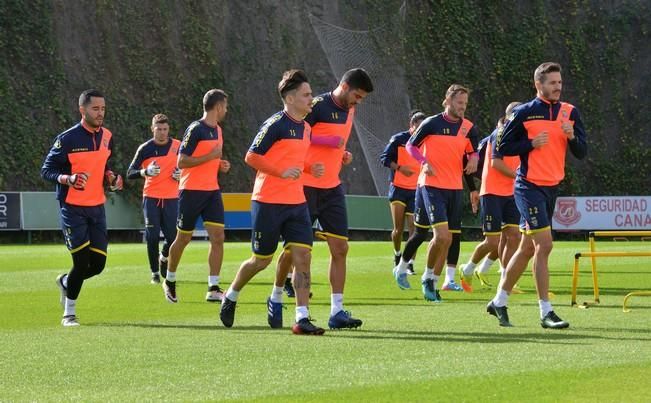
pixel 620 233
pixel 575 278
pixel 615 254
pixel 630 294
pixel 595 284
pixel 593 254
pixel 575 274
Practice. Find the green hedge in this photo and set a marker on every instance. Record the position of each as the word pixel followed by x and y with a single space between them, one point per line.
pixel 142 68
pixel 159 56
pixel 494 46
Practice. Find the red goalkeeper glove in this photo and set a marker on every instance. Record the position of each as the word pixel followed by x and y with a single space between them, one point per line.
pixel 77 181
pixel 114 180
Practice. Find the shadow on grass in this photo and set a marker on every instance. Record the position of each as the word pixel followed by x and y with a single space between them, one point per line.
pixel 404 302
pixel 479 302
pixel 250 283
pixel 587 290
pixel 565 304
pixel 216 326
pixel 500 336
pixel 646 331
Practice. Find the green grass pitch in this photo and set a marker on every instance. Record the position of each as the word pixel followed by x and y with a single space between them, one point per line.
pixel 134 346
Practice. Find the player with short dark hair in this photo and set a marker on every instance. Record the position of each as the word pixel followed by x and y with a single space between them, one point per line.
pixel 540 132
pixel 403 178
pixel 357 79
pixel 155 161
pixel 440 144
pixel 78 164
pixel 278 206
pixel 500 216
pixel 200 161
pixel 332 121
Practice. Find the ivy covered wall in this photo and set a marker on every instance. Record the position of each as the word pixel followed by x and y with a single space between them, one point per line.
pixel 161 56
pixel 494 46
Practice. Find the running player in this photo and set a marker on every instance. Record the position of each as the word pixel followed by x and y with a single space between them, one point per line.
pixel 402 189
pixel 499 215
pixel 78 164
pixel 332 121
pixel 278 206
pixel 155 161
pixel 452 257
pixel 540 132
pixel 200 163
pixel 444 139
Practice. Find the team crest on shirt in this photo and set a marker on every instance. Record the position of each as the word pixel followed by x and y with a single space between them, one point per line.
pixel 564 113
pixel 105 142
pixel 316 100
pixel 57 144
pixel 464 131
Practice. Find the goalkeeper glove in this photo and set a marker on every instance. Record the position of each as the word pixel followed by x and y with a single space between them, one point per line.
pixel 77 181
pixel 176 174
pixel 115 181
pixel 152 169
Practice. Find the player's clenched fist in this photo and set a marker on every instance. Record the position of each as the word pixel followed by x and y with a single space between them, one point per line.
pixel 347 158
pixel 224 166
pixel 428 169
pixel 568 129
pixel 317 169
pixel 291 173
pixel 540 140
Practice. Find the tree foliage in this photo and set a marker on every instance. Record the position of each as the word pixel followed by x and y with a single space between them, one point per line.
pixel 160 56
